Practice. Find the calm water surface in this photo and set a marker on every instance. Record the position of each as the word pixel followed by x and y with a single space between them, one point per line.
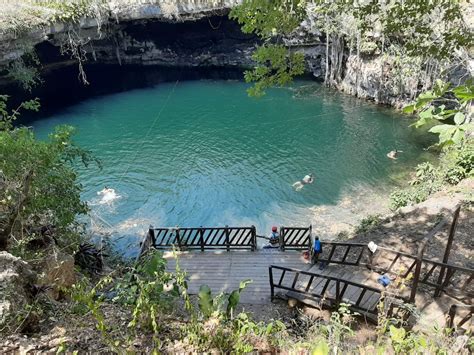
pixel 203 153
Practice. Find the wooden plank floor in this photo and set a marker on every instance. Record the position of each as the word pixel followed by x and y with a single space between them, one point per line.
pixel 223 271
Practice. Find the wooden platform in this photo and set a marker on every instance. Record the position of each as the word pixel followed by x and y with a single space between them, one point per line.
pixel 223 271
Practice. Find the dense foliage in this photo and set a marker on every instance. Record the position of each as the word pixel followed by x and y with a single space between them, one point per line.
pixel 448 112
pixel 39 186
pixel 430 32
pixel 456 163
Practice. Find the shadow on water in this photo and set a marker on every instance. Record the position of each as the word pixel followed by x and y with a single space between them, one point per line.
pixel 62 88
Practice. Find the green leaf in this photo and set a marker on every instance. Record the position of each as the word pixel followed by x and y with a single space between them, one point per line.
pixel 206 304
pixel 459 118
pixel 440 128
pixel 458 136
pixel 321 349
pixel 441 87
pixel 409 109
pixel 428 113
pixel 397 334
pixel 243 284
pixel 234 299
pixel 422 341
pixel 464 93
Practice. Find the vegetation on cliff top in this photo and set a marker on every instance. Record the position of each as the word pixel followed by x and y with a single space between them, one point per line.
pixel 18 16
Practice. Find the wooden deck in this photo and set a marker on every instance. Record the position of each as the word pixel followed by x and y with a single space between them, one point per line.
pixel 223 271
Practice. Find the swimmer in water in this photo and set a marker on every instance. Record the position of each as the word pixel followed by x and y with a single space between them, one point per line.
pixel 393 154
pixel 308 179
pixel 108 195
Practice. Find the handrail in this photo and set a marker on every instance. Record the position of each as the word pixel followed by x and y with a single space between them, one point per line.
pixel 340 286
pixel 424 269
pixel 204 238
pixel 228 238
pixel 296 238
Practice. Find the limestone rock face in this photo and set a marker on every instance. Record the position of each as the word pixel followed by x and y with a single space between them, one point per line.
pixel 16 280
pixel 373 78
pixel 57 272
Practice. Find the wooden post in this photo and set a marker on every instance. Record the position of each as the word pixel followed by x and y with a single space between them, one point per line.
pixel 282 238
pixel 419 257
pixel 310 242
pixel 451 316
pixel 147 243
pixel 449 244
pixel 178 238
pixel 254 238
pixel 151 232
pixel 227 238
pixel 416 277
pixel 201 238
pixel 272 295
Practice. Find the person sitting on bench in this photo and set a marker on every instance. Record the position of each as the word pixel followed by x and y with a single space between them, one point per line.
pixel 274 237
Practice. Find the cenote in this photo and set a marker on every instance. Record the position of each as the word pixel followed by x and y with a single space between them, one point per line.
pixel 203 153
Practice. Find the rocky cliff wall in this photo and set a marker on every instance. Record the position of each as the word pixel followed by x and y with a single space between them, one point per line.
pixel 190 34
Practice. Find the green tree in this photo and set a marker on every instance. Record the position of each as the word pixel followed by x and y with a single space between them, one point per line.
pixel 446 111
pixel 38 184
pixel 271 20
pixel 431 31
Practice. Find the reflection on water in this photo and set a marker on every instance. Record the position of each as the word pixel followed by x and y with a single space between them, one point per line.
pixel 203 153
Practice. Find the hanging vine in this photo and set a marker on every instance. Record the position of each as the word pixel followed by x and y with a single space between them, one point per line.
pixel 73 44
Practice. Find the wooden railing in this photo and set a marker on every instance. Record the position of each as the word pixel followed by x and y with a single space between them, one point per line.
pixel 202 238
pixel 324 288
pixel 295 238
pixel 345 253
pixel 451 279
pixel 228 238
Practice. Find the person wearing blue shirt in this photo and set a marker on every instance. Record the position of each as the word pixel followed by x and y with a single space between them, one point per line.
pixel 317 249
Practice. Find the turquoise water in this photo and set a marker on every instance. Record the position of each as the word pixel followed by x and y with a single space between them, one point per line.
pixel 204 153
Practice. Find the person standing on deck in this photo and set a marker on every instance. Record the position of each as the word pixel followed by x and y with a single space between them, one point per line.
pixel 317 249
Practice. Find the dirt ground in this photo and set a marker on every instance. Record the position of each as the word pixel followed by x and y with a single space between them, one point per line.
pixel 405 229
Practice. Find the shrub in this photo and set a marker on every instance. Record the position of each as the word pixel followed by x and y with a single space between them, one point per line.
pixel 456 163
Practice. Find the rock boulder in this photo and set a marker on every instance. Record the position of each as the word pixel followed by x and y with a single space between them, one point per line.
pixel 58 272
pixel 16 282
